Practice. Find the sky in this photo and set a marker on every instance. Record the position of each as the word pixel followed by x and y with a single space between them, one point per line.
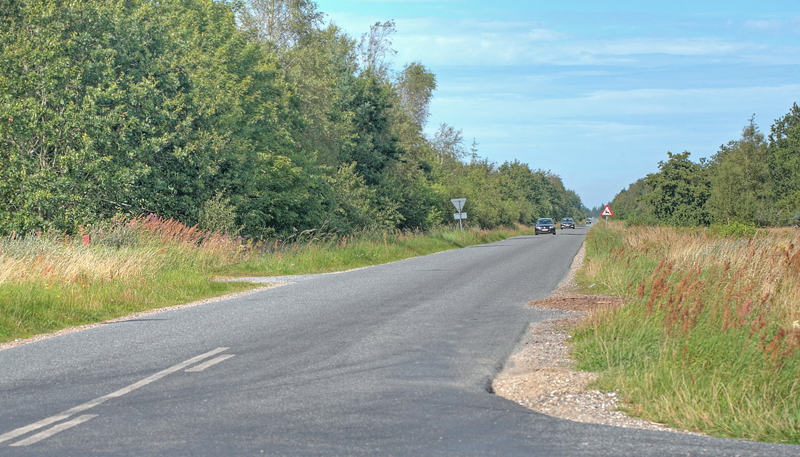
pixel 596 92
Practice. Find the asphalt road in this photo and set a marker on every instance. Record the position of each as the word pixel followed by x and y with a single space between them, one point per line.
pixel 389 360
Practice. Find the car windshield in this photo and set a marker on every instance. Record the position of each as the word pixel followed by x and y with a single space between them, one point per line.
pixel 567 219
pixel 544 221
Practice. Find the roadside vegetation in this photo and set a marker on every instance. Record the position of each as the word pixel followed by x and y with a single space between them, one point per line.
pixel 709 337
pixel 257 118
pixel 752 181
pixel 52 280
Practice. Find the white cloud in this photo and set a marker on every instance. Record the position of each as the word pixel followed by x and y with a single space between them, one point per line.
pixel 471 42
pixel 774 25
pixel 474 43
pixel 546 35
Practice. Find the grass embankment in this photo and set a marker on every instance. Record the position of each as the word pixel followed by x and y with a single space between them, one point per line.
pixel 52 281
pixel 709 339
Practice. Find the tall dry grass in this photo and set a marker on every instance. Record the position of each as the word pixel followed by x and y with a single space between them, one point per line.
pixel 49 281
pixel 52 280
pixel 765 267
pixel 710 338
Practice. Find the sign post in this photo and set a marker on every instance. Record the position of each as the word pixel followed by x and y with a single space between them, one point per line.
pixel 606 213
pixel 459 204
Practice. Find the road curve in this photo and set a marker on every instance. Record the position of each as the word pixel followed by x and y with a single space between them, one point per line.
pixel 395 359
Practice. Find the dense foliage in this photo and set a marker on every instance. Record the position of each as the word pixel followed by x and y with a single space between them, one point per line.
pixel 256 118
pixel 752 181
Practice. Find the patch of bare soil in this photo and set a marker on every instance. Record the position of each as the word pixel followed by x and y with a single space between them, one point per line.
pixel 541 377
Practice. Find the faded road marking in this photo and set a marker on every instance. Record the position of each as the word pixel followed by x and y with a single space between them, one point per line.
pixel 209 363
pixel 97 401
pixel 55 429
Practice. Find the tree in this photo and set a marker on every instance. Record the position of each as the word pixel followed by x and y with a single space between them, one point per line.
pixel 415 87
pixel 784 165
pixel 448 144
pixel 131 106
pixel 375 145
pixel 631 204
pixel 87 95
pixel 740 181
pixel 321 71
pixel 375 49
pixel 283 24
pixel 248 116
pixel 680 191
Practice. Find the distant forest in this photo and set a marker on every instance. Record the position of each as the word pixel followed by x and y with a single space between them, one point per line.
pixel 751 181
pixel 256 118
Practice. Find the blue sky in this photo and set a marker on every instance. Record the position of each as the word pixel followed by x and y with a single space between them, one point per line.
pixel 596 92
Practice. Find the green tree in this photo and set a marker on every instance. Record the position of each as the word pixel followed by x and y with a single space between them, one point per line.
pixel 321 69
pixel 283 24
pixel 133 106
pixel 351 205
pixel 415 88
pixel 237 115
pixel 631 204
pixel 784 165
pixel 375 145
pixel 448 144
pixel 86 93
pixel 680 191
pixel 521 192
pixel 740 181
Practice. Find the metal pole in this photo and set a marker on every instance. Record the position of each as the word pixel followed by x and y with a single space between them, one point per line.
pixel 459 222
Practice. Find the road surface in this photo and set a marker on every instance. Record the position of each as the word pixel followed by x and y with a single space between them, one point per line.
pixel 395 359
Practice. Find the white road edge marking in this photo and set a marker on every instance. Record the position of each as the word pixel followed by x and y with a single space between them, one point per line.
pixel 53 430
pixel 91 404
pixel 209 363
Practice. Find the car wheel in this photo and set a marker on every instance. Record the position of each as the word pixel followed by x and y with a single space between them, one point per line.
pixel 554 232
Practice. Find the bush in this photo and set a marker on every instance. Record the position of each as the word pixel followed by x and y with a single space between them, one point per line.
pixel 734 229
pixel 219 216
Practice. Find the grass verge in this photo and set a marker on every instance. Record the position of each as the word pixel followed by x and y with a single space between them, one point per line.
pixel 50 281
pixel 709 339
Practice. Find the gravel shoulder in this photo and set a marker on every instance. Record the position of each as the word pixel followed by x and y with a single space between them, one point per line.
pixel 540 374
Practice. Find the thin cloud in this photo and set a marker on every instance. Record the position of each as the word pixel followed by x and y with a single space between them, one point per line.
pixel 774 25
pixel 470 43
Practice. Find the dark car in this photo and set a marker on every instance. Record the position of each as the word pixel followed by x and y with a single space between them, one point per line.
pixel 545 225
pixel 567 222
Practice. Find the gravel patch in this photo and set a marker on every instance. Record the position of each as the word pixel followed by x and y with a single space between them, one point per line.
pixel 540 375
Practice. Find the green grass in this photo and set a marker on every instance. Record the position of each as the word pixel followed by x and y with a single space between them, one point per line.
pixel 321 256
pixel 52 281
pixel 708 340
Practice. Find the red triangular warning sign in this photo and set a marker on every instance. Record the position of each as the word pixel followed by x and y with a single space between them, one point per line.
pixel 607 212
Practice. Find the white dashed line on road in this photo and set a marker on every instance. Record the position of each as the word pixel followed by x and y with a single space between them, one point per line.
pixel 97 401
pixel 209 363
pixel 53 430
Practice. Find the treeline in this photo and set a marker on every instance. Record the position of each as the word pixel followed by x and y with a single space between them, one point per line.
pixel 753 181
pixel 257 118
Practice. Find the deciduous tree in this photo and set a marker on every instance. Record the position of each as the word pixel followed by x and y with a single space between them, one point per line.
pixel 680 191
pixel 784 147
